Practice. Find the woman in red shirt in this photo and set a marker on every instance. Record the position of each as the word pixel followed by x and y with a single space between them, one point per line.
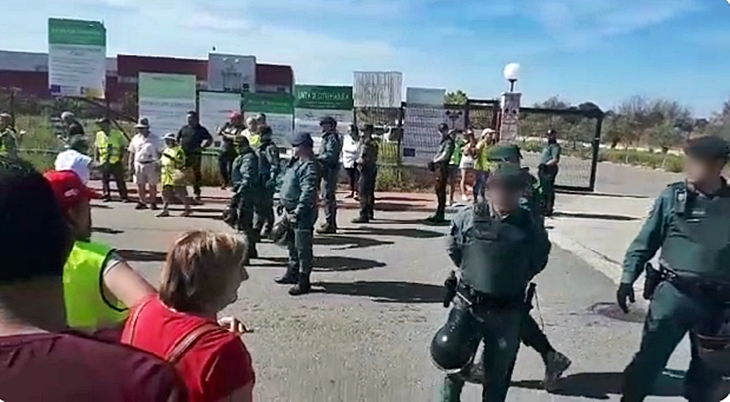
pixel 200 277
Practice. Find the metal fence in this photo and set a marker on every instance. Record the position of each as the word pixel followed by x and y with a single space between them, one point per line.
pixel 578 131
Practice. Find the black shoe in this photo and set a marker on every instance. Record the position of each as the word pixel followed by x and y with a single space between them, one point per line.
pixel 287 279
pixel 437 218
pixel 327 229
pixel 140 206
pixel 301 288
pixel 253 253
pixel 106 198
pixel 126 200
pixel 360 220
pixel 153 207
pixel 266 233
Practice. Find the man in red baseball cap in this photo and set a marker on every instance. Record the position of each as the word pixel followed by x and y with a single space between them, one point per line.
pixel 93 304
pixel 231 132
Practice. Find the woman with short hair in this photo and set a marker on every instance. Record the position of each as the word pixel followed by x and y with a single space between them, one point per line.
pixel 200 277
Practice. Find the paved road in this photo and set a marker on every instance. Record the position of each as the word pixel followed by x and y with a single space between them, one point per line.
pixel 363 336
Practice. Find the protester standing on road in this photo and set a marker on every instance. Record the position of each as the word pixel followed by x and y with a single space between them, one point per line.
pixel 269 168
pixel 440 166
pixel 252 129
pixel 75 158
pixel 99 284
pixel 298 201
pixel 454 165
pixel 367 162
pixel 109 149
pixel 547 171
pixel 172 176
pixel 201 276
pixel 498 248
pixel 8 136
pixel 350 152
pixel 194 138
pixel 247 187
pixel 230 133
pixel 466 165
pixel 144 155
pixel 690 224
pixel 482 164
pixel 40 360
pixel 328 157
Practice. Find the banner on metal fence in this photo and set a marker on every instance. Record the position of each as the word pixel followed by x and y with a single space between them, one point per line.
pixel 230 72
pixel 313 102
pixel 165 100
pixel 279 111
pixel 425 96
pixel 76 58
pixel 378 89
pixel 424 112
pixel 215 109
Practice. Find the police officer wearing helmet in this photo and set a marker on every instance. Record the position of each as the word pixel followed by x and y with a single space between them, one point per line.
pixel 269 166
pixel 531 335
pixel 329 162
pixel 498 248
pixel 689 224
pixel 298 196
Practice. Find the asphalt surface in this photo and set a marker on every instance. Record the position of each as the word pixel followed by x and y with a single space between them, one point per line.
pixel 364 334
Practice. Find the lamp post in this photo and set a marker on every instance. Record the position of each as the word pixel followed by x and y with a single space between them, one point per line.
pixel 511 73
pixel 453 116
pixel 510 107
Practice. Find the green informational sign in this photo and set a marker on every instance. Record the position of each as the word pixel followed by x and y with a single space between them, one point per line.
pixel 323 97
pixel 268 103
pixel 76 32
pixel 166 86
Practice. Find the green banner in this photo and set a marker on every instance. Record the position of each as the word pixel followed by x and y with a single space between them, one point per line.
pixel 323 97
pixel 268 103
pixel 76 32
pixel 166 86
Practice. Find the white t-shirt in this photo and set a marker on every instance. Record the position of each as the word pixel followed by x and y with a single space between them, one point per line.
pixel 145 149
pixel 350 151
pixel 74 161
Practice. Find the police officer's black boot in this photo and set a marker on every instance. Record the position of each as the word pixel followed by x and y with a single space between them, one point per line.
pixel 291 276
pixel 327 228
pixel 302 287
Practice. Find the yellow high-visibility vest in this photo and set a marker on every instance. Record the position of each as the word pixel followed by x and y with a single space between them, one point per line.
pixel 86 307
pixel 110 146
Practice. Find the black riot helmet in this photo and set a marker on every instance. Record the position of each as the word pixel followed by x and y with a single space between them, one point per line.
pixel 454 345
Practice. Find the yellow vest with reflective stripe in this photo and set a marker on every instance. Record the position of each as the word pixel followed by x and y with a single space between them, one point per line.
pixel 110 146
pixel 482 163
pixel 82 286
pixel 171 160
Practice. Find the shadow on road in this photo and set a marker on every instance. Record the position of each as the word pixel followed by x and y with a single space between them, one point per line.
pixel 199 210
pixel 600 194
pixel 104 230
pixel 142 255
pixel 608 217
pixel 390 207
pixel 603 385
pixel 328 263
pixel 400 232
pixel 387 292
pixel 100 206
pixel 348 242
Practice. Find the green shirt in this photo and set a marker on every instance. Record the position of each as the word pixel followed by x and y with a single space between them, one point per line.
pixel 551 151
pixel 299 187
pixel 691 229
pixel 456 154
pixel 8 143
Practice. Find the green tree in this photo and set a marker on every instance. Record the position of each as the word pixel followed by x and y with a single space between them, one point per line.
pixel 456 98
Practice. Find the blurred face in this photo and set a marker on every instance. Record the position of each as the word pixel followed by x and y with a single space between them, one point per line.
pixel 301 150
pixel 79 218
pixel 326 127
pixel 4 121
pixel 144 131
pixel 229 294
pixel 192 120
pixel 104 126
pixel 552 136
pixel 504 195
pixel 702 170
pixel 253 125
pixel 170 143
pixel 444 131
pixel 236 121
pixel 261 121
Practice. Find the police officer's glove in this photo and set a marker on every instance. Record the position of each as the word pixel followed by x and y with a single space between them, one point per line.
pixel 625 293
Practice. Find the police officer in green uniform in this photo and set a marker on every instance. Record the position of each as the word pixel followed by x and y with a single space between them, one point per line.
pixel 690 223
pixel 498 248
pixel 246 184
pixel 329 164
pixel 367 162
pixel 8 139
pixel 531 335
pixel 440 166
pixel 547 171
pixel 269 167
pixel 298 204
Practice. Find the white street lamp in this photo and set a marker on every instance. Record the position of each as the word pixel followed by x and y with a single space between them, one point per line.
pixel 511 73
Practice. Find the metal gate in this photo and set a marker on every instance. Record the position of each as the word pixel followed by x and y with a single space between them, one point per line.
pixel 382 118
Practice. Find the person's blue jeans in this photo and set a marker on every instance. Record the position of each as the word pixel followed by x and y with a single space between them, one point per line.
pixel 480 184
